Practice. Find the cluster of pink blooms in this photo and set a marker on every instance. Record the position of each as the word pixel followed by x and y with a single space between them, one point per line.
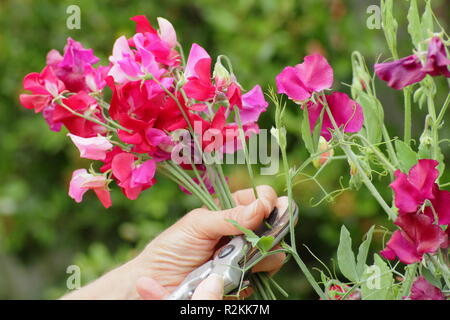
pixel 411 69
pixel 314 75
pixel 153 97
pixel 423 210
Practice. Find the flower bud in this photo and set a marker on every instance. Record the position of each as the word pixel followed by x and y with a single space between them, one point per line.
pixel 353 168
pixel 279 135
pixel 221 75
pixel 325 153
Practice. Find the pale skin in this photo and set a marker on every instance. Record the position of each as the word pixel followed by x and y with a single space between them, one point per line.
pixel 183 247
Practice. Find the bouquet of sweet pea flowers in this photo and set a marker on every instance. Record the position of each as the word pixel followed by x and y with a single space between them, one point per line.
pixel 163 113
pixel 182 118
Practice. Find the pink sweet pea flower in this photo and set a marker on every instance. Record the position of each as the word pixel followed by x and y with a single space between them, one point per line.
pixel 167 32
pixel 82 181
pixel 401 73
pixel 347 113
pixel 409 70
pixel 198 75
pixel 132 178
pixel 161 45
pixel 423 290
pixel 81 103
pixel 299 82
pixel 95 77
pixel 129 65
pixel 94 148
pixel 418 235
pixel 44 87
pixel 70 68
pixel 437 62
pixel 253 104
pixel 412 190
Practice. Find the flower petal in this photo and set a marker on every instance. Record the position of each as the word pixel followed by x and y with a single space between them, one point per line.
pixel 401 73
pixel 423 290
pixel 289 83
pixel 315 73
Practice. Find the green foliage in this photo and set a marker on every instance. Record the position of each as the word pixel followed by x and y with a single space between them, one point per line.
pixel 42 231
pixel 264 243
pixel 379 287
pixel 406 156
pixel 346 257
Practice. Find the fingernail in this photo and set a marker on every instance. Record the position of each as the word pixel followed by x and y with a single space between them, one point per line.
pixel 214 283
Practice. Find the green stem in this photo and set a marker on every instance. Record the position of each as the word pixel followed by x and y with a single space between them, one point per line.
pixel 443 268
pixel 244 148
pixel 434 127
pixel 443 110
pixel 349 152
pixel 308 274
pixel 191 129
pixel 379 154
pixel 390 146
pixel 290 198
pixel 224 182
pixel 408 280
pixel 62 104
pixel 187 181
pixel 408 119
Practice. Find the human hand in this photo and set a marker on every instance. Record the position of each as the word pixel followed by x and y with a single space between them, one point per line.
pixel 183 247
pixel 192 241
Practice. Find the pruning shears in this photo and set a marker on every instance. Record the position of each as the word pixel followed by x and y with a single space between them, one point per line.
pixel 231 259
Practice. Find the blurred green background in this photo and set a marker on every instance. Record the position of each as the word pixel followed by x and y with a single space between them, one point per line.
pixel 42 231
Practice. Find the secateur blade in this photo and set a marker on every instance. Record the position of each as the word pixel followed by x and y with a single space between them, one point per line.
pixel 230 260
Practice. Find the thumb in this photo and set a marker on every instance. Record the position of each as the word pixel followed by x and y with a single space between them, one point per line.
pixel 214 224
pixel 209 289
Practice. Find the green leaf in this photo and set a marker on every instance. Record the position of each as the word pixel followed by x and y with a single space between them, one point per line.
pixel 390 25
pixel 431 278
pixel 427 20
pixel 346 257
pixel 249 234
pixel 406 156
pixel 263 243
pixel 377 281
pixel 373 117
pixel 363 252
pixel 414 25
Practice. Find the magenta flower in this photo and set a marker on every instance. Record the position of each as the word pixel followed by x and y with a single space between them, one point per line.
pixel 132 178
pixel 347 113
pixel 130 65
pixel 418 235
pixel 413 195
pixel 409 70
pixel 94 148
pixel 161 45
pixel 44 87
pixel 82 181
pixel 413 190
pixel 401 73
pixel 299 82
pixel 423 290
pixel 253 104
pixel 437 61
pixel 70 68
pixel 198 75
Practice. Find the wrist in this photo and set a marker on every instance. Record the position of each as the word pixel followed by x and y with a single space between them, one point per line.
pixel 117 284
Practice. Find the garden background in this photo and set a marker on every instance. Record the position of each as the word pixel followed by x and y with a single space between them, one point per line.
pixel 43 231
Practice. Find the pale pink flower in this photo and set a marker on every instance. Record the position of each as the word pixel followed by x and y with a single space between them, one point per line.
pixel 82 181
pixel 94 148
